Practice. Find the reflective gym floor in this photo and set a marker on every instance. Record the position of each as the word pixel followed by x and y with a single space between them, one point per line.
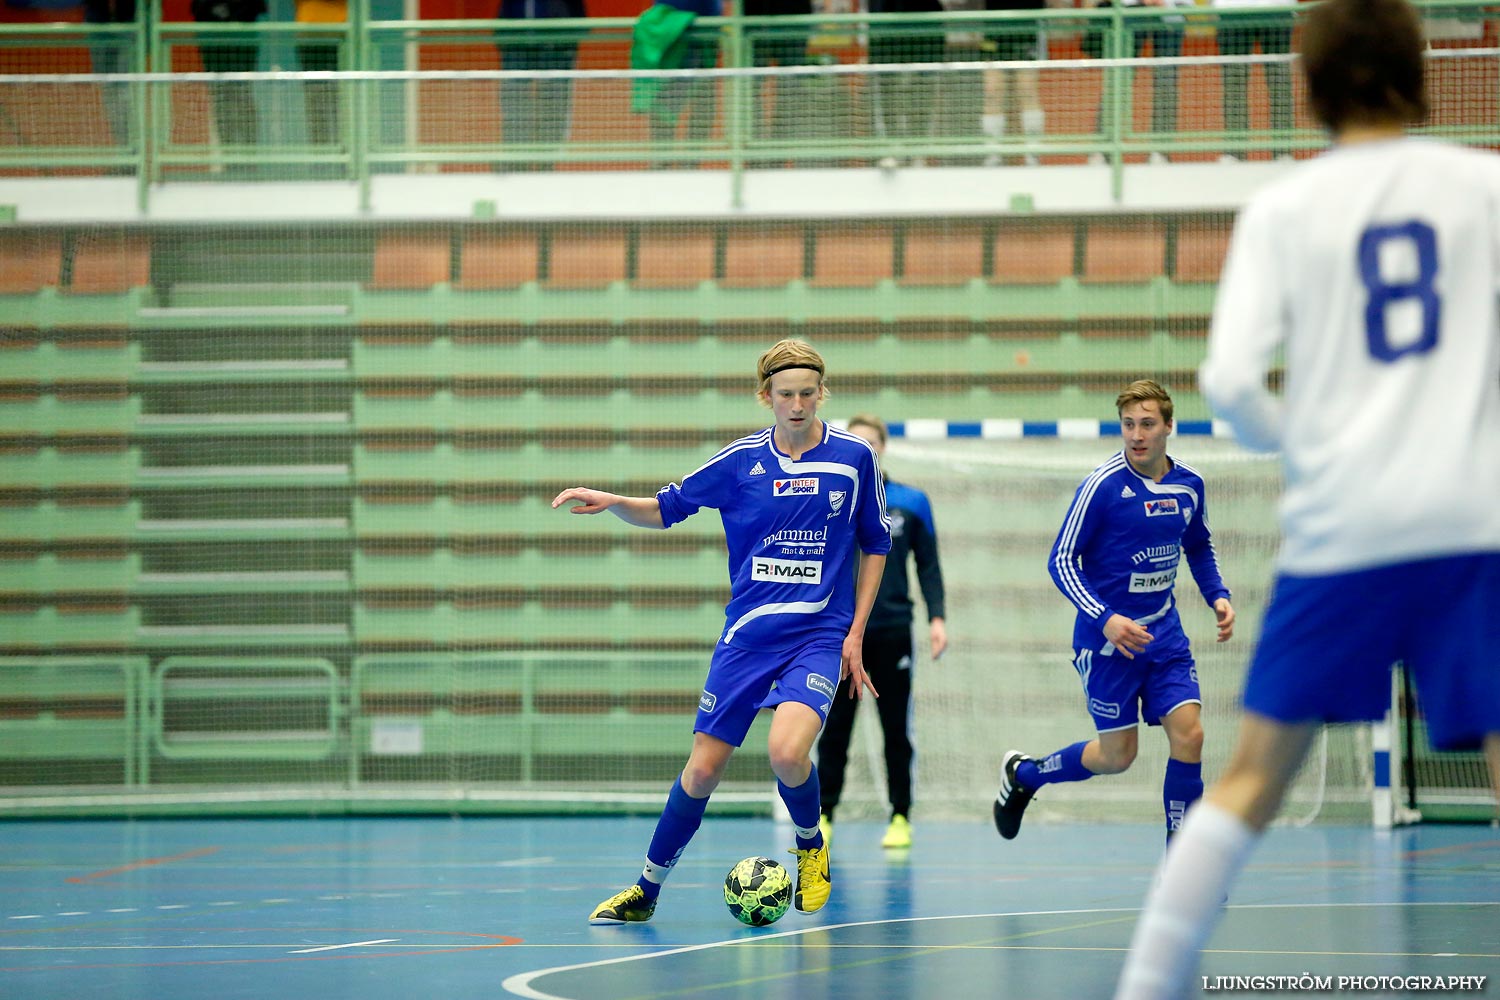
pixel 493 907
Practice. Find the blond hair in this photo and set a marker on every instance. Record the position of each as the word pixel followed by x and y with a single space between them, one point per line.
pixel 1145 390
pixel 786 354
pixel 871 421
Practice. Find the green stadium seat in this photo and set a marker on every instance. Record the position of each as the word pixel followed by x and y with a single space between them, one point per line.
pixel 75 709
pixel 943 253
pixel 98 569
pixel 462 705
pixel 217 708
pixel 588 257
pixel 410 260
pixel 1034 253
pixel 108 622
pixel 675 256
pixel 503 259
pixel 763 254
pixel 71 414
pixel 1125 251
pixel 853 254
pixel 83 464
pixel 110 263
pixel 29 262
pixel 412 619
pixel 1201 248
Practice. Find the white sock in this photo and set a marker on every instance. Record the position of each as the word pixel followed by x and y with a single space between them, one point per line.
pixel 992 125
pixel 1033 121
pixel 1182 910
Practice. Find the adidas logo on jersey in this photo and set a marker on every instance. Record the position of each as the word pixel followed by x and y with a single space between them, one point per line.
pixel 1127 493
pixel 757 469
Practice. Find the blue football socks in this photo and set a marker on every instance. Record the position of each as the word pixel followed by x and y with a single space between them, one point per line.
pixel 1182 786
pixel 802 805
pixel 680 819
pixel 1064 765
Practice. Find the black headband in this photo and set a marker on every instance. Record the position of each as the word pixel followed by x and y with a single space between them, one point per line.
pixel 794 364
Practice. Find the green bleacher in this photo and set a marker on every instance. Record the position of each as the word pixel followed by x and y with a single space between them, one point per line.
pixel 347 513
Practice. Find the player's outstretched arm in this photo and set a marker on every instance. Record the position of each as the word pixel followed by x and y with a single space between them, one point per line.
pixel 1224 611
pixel 643 512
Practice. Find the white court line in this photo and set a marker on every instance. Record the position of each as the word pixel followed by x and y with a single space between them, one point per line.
pixel 520 983
pixel 352 944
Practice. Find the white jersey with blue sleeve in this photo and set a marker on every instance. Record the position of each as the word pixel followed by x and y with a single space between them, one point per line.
pixel 1375 268
pixel 1123 539
pixel 794 529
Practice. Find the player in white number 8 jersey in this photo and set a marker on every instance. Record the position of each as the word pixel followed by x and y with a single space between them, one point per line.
pixel 1376 268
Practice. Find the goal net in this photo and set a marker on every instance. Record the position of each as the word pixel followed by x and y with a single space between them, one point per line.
pixel 1008 680
pixel 1430 784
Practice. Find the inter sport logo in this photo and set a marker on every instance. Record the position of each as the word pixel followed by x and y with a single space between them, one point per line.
pixel 795 487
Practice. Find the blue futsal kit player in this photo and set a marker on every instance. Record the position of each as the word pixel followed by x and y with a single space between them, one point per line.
pixel 1130 525
pixel 800 502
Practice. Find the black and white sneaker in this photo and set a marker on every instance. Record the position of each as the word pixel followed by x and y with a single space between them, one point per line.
pixel 1011 802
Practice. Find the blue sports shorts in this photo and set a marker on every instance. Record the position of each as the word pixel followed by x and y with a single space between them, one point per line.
pixel 741 682
pixel 1327 645
pixel 1120 691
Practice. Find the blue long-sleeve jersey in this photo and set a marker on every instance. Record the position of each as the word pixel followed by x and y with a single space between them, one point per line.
pixel 913 531
pixel 1123 539
pixel 793 528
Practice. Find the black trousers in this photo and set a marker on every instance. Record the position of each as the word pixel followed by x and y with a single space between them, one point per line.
pixel 234 102
pixel 1241 41
pixel 321 97
pixel 889 662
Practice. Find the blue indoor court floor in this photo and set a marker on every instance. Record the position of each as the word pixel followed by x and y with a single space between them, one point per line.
pixel 387 908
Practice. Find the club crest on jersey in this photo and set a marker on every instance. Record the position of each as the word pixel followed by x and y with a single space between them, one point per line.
pixel 1161 507
pixel 757 469
pixel 807 487
pixel 836 500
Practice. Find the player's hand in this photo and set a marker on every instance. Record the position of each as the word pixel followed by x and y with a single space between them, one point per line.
pixel 938 631
pixel 1126 635
pixel 1225 613
pixel 852 666
pixel 589 501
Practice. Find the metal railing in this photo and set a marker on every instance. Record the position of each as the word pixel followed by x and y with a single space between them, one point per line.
pixel 424 96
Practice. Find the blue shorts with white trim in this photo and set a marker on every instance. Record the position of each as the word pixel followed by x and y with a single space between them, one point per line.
pixel 743 681
pixel 1121 691
pixel 1328 642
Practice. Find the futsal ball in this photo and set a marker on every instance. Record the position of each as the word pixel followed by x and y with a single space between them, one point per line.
pixel 758 891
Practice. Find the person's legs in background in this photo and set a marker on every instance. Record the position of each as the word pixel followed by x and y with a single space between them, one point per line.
pixel 1166 43
pixel 235 114
pixel 833 753
pixel 112 56
pixel 1236 79
pixel 321 96
pixel 1276 39
pixel 554 98
pixel 894 705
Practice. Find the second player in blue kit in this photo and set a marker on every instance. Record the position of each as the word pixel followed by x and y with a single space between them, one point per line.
pixel 1132 522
